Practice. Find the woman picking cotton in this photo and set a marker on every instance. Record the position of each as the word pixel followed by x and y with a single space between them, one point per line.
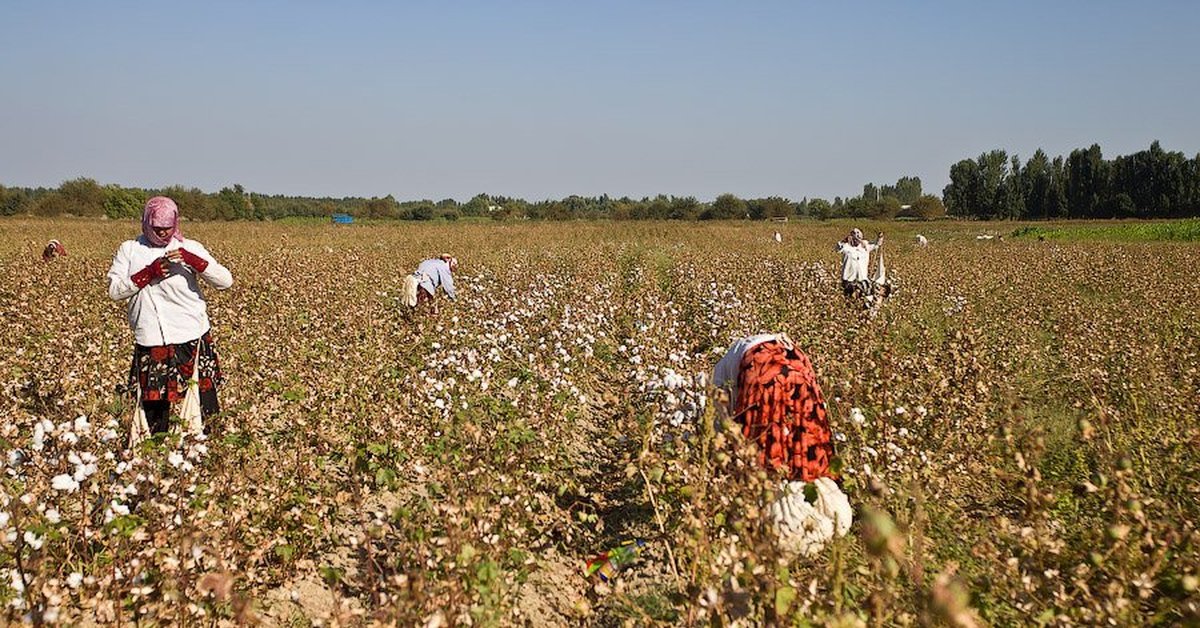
pixel 774 396
pixel 159 274
pixel 856 253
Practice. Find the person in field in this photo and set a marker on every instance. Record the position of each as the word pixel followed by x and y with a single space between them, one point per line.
pixel 53 249
pixel 856 253
pixel 421 286
pixel 159 274
pixel 775 398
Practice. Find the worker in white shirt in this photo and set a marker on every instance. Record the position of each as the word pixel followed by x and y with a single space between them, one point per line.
pixel 856 252
pixel 158 273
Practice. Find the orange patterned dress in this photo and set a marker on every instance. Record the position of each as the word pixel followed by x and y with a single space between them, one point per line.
pixel 780 408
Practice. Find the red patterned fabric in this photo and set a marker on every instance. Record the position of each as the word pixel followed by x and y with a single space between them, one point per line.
pixel 781 409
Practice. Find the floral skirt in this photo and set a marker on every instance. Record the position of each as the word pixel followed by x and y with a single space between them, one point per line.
pixel 780 408
pixel 162 373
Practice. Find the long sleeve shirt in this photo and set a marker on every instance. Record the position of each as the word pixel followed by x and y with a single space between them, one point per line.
pixel 854 259
pixel 725 375
pixel 433 273
pixel 170 310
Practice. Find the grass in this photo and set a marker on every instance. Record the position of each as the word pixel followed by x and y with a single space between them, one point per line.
pixel 1171 231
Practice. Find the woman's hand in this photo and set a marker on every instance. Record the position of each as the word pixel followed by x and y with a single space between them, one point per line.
pixel 157 269
pixel 191 259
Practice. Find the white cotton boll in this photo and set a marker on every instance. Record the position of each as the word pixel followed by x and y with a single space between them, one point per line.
pixel 15 581
pixel 38 441
pixel 900 410
pixel 84 471
pixel 74 580
pixel 118 508
pixel 512 383
pixel 53 516
pixel 64 482
pixel 69 437
pixel 82 425
pixel 175 459
pixel 16 458
pixel 857 416
pixel 4 518
pixel 33 540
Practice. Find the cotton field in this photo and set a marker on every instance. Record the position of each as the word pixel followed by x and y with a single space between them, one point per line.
pixel 1016 431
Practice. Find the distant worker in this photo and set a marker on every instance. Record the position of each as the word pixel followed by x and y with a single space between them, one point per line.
pixel 922 240
pixel 53 249
pixel 856 253
pixel 159 274
pixel 421 286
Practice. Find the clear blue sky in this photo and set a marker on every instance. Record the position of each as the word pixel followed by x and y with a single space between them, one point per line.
pixel 544 99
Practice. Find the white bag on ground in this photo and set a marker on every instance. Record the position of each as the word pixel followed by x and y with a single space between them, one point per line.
pixel 139 430
pixel 190 412
pixel 411 283
pixel 805 528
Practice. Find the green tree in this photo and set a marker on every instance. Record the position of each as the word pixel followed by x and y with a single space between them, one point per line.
pixel 928 207
pixel 13 201
pixel 1087 182
pixel 193 203
pixel 726 206
pixel 962 193
pixel 820 208
pixel 233 204
pixel 122 202
pixel 83 197
pixel 908 190
pixel 684 208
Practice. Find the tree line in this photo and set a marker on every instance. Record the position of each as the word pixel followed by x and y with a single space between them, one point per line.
pixel 1151 183
pixel 1147 184
pixel 86 197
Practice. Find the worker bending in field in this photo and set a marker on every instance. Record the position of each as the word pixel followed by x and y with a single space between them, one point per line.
pixel 774 396
pixel 53 249
pixel 421 286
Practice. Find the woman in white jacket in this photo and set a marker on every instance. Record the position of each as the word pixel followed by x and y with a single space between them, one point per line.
pixel 856 252
pixel 158 273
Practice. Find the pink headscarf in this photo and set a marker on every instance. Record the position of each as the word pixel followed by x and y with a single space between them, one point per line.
pixel 161 211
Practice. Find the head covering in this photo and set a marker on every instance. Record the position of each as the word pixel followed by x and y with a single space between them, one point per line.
pixel 857 233
pixel 450 261
pixel 161 211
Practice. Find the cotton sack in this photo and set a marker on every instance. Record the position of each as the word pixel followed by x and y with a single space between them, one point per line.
pixel 139 429
pixel 189 412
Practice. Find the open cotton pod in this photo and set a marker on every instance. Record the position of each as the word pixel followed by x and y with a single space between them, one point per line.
pixel 804 528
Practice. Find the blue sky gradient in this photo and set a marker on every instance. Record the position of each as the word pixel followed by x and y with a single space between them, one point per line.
pixel 545 99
